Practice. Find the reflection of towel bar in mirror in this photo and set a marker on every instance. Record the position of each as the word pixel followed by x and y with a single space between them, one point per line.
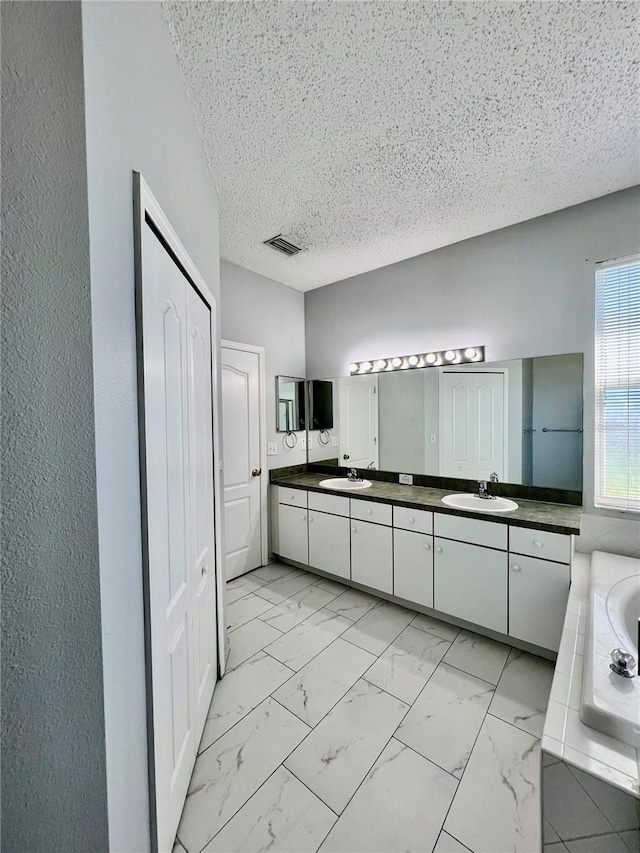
pixel 547 429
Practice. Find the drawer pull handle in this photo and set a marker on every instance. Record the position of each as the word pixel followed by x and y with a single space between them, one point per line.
pixel 537 544
pixel 516 568
pixel 439 549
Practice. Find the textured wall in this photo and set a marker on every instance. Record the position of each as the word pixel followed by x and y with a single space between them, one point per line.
pixel 259 311
pixel 138 116
pixel 53 765
pixel 524 291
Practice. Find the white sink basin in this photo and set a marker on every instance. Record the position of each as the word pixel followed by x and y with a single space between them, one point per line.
pixel 475 504
pixel 344 485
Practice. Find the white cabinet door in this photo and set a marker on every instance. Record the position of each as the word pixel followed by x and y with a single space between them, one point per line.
pixel 471 583
pixel 372 555
pixel 329 543
pixel 538 593
pixel 413 567
pixel 293 535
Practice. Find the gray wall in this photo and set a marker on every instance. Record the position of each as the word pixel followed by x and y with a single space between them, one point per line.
pixel 259 311
pixel 523 291
pixel 53 765
pixel 138 116
pixel 401 422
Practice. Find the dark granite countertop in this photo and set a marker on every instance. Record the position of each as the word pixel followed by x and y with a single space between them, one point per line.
pixel 556 518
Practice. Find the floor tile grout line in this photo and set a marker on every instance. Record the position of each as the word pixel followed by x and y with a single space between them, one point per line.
pixel 264 648
pixel 442 829
pixel 475 740
pixel 259 652
pixel 311 791
pixel 269 776
pixel 326 714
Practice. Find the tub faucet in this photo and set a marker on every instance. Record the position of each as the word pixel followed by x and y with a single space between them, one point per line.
pixel 623 664
pixel 483 491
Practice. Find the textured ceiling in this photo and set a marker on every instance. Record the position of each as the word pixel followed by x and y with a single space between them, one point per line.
pixel 372 131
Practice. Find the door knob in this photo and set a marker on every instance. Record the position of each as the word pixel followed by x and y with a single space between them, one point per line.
pixel 346 456
pixel 256 472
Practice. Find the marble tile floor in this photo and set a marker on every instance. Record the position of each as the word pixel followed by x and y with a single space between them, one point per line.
pixel 346 724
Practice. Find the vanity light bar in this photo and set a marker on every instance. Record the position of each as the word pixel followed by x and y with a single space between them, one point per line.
pixel 465 355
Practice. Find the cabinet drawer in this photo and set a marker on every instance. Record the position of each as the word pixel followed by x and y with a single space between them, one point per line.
pixel 538 593
pixel 292 497
pixel 540 543
pixel 413 567
pixel 413 519
pixel 372 555
pixel 371 511
pixel 329 503
pixel 471 530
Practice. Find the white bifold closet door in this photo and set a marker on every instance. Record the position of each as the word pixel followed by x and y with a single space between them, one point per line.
pixel 176 329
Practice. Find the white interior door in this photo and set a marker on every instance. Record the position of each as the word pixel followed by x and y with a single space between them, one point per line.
pixel 178 483
pixel 243 492
pixel 472 431
pixel 359 421
pixel 202 550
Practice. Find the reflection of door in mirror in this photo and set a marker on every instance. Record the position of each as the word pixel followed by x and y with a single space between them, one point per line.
pixel 359 421
pixel 473 441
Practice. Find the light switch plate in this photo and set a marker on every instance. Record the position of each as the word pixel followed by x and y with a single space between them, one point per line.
pixel 433 438
pixel 303 444
pixel 310 442
pixel 405 479
pixel 334 441
pixel 272 448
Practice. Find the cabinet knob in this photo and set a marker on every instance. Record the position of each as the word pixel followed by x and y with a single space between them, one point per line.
pixel 304 517
pixel 310 519
pixel 292 497
pixel 427 547
pixel 515 568
pixel 412 521
pixel 537 544
pixel 439 549
pixel 353 530
pixel 369 512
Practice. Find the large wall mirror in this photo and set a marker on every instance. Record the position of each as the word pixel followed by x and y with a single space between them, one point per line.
pixel 519 419
pixel 290 403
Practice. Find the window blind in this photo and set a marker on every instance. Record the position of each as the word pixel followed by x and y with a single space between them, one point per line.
pixel 617 374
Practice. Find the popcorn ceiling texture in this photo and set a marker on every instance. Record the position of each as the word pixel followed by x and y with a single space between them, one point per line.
pixel 375 131
pixel 54 794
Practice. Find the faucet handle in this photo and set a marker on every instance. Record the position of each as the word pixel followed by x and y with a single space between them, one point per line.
pixel 623 663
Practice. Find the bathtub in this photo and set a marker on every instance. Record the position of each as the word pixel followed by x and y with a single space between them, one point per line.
pixel 610 702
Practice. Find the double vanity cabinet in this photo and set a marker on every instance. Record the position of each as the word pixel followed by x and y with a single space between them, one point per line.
pixel 509 579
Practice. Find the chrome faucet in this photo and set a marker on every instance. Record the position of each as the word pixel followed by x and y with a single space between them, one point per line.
pixel 371 466
pixel 483 491
pixel 353 476
pixel 494 477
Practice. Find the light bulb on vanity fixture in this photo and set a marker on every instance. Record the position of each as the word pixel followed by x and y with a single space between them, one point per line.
pixel 417 360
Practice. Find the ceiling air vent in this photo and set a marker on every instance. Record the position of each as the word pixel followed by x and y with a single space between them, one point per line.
pixel 283 245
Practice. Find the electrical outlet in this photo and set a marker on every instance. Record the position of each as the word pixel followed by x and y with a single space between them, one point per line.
pixel 310 442
pixel 334 441
pixel 272 448
pixel 405 479
pixel 433 438
pixel 303 444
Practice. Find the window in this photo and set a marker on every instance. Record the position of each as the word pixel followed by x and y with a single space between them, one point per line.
pixel 617 416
